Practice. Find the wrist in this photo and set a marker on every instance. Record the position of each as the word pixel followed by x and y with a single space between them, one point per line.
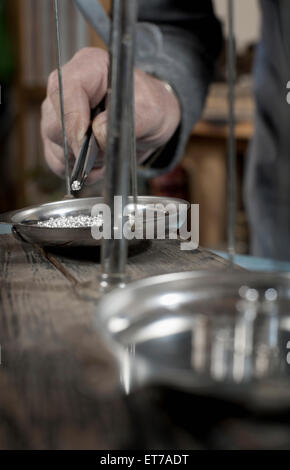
pixel 157 112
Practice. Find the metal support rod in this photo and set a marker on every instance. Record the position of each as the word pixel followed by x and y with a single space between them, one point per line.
pixel 118 147
pixel 97 17
pixel 231 60
pixel 61 101
pixel 134 179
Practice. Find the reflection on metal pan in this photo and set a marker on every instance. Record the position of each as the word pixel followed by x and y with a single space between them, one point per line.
pixel 223 334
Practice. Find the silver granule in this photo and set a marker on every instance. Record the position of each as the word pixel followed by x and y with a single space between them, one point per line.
pixel 76 186
pixel 79 221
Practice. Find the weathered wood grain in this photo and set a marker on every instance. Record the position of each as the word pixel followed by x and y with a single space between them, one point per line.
pixel 59 386
pixel 145 259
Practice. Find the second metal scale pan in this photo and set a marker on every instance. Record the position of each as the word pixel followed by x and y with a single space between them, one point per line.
pixel 222 334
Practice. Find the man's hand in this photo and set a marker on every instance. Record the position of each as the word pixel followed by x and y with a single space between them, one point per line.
pixel 85 82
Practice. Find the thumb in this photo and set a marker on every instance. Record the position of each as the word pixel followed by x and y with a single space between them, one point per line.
pixel 100 129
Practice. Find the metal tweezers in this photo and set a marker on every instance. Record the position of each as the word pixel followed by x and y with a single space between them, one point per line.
pixel 88 156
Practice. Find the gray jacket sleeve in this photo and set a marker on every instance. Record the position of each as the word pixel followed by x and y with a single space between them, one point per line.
pixel 178 41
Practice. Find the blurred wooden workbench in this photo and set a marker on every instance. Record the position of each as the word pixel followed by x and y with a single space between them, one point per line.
pixel 59 385
pixel 205 163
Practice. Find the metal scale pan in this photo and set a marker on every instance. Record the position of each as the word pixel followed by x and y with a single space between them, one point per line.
pixel 220 334
pixel 25 222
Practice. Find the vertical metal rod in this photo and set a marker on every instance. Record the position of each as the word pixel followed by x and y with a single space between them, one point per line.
pixel 232 157
pixel 118 147
pixel 61 101
pixel 133 150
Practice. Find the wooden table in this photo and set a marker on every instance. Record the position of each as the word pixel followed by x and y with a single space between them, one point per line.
pixel 59 386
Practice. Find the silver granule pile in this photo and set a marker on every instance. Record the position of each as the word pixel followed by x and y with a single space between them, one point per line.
pixel 79 221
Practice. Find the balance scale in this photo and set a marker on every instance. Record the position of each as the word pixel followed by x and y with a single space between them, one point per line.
pixel 224 335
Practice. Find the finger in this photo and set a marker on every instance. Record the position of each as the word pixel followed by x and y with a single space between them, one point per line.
pixel 50 125
pixel 51 128
pixel 95 175
pixel 54 157
pixel 77 117
pixel 84 86
pixel 100 129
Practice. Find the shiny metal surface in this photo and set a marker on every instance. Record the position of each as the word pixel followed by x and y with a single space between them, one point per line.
pixel 118 145
pixel 61 100
pixel 224 334
pixel 232 151
pixel 25 221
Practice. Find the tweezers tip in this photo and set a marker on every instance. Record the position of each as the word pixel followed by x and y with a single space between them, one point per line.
pixel 76 186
